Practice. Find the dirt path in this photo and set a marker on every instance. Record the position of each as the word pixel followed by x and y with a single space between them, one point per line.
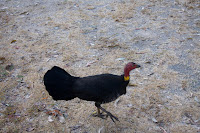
pixel 92 37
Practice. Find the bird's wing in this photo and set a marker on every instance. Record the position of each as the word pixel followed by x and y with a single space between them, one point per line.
pixel 97 88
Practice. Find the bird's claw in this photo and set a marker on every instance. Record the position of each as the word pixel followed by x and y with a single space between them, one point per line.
pixel 112 117
pixel 100 115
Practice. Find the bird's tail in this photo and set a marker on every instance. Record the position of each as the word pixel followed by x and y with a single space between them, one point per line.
pixel 59 84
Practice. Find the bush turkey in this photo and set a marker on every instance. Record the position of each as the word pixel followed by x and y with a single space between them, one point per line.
pixel 101 88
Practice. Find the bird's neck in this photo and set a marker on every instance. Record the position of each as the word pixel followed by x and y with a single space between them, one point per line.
pixel 126 74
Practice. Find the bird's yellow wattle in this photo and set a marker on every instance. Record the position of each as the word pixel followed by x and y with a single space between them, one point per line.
pixel 126 78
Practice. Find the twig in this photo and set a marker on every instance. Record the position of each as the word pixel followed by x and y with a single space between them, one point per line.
pixel 164 131
pixel 99 131
pixel 116 102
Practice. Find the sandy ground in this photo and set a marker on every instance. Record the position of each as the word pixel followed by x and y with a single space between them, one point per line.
pixel 93 37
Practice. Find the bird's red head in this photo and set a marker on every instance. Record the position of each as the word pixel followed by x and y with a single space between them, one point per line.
pixel 130 66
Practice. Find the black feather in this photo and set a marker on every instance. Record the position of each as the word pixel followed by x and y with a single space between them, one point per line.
pixel 100 88
pixel 59 84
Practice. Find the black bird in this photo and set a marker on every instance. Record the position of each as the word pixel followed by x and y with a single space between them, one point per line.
pixel 101 88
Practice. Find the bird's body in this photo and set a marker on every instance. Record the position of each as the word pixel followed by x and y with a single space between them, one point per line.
pixel 101 88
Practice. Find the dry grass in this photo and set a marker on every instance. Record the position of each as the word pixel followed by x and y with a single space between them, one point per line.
pixel 85 39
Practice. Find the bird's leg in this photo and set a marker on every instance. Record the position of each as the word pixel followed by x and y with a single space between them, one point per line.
pixel 98 111
pixel 98 114
pixel 108 113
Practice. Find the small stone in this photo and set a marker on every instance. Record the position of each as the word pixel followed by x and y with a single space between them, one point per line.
pixel 130 105
pixel 154 120
pixel 196 99
pixel 92 44
pixel 50 119
pixel 120 59
pixel 29 129
pixel 56 28
pixel 61 119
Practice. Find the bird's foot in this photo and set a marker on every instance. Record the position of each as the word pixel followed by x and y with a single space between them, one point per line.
pixel 112 117
pixel 100 115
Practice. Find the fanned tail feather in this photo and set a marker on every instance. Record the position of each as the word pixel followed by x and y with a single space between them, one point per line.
pixel 59 84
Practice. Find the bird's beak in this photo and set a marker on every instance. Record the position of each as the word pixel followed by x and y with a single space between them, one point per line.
pixel 137 66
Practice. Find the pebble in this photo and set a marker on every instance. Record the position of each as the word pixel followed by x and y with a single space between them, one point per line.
pixel 196 99
pixel 92 44
pixel 50 119
pixel 120 59
pixel 61 119
pixel 154 120
pixel 130 105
